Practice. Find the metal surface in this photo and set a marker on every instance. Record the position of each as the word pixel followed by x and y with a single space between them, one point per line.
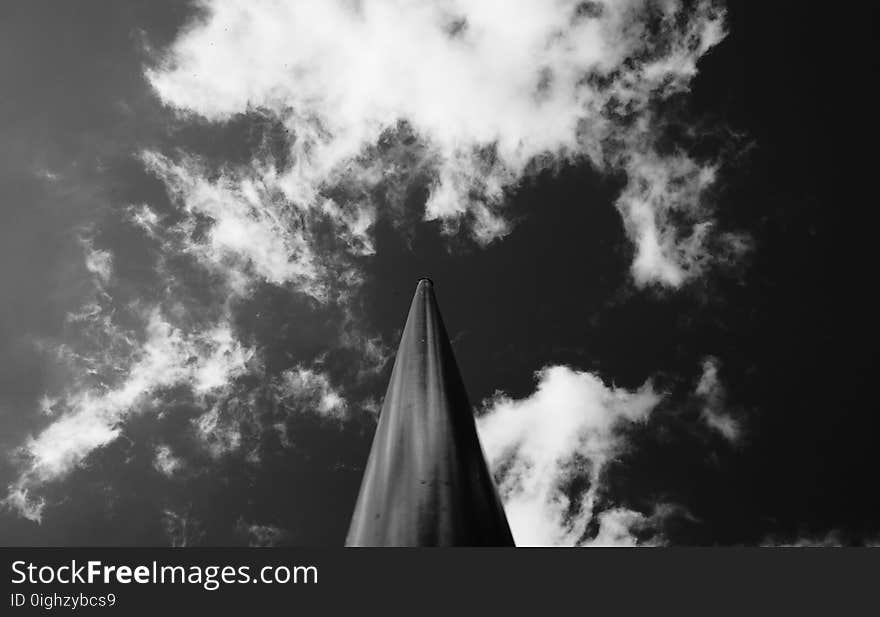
pixel 426 482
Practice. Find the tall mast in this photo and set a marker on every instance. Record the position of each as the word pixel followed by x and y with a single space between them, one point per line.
pixel 426 482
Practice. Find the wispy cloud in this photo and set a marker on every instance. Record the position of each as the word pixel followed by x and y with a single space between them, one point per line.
pixel 181 528
pixel 261 535
pixel 240 226
pixel 126 354
pixel 467 97
pixel 311 389
pixel 165 462
pixel 92 415
pixel 98 262
pixel 712 396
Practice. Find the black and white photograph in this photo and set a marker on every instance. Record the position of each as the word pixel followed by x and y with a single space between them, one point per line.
pixel 438 273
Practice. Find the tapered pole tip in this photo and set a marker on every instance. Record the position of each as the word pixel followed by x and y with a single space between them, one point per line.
pixel 426 482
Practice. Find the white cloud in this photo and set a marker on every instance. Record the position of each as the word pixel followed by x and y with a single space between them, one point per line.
pixel 616 528
pixel 232 421
pixel 253 233
pixel 550 452
pixel 118 370
pixel 309 389
pixel 98 262
pixel 47 404
pixel 219 433
pixel 712 396
pixel 165 462
pixel 19 500
pixel 490 90
pixel 571 427
pixel 247 234
pixel 92 413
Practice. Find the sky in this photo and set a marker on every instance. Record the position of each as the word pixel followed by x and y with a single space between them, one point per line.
pixel 647 222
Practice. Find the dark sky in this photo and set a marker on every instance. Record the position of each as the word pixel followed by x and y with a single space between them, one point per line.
pixel 790 325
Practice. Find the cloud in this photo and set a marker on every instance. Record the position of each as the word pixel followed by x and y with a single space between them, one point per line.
pixel 165 462
pixel 550 453
pixel 712 396
pixel 311 390
pixel 19 500
pixel 261 535
pixel 182 529
pixel 623 527
pixel 220 432
pixel 550 450
pixel 467 97
pixel 237 422
pixel 98 262
pixel 241 227
pixel 92 414
pixel 128 350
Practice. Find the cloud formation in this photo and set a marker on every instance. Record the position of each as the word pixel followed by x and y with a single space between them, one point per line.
pixel 466 97
pixel 312 390
pixel 91 415
pixel 122 358
pixel 165 462
pixel 237 224
pixel 549 452
pixel 711 394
